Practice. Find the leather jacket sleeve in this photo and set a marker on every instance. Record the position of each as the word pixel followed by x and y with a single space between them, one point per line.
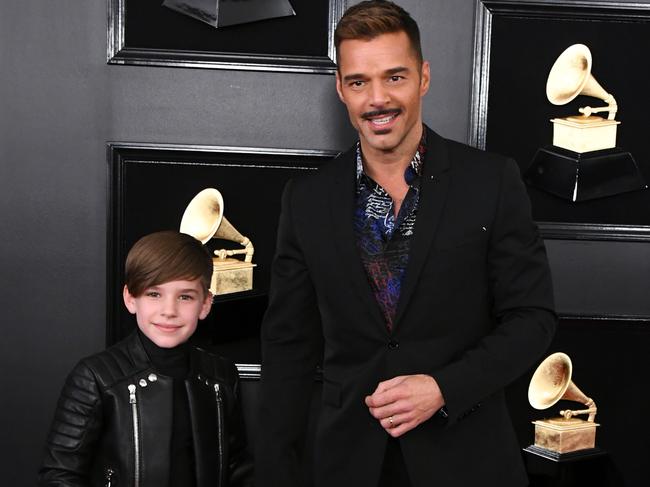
pixel 76 426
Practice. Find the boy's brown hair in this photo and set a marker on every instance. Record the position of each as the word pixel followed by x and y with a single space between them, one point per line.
pixel 166 256
pixel 369 19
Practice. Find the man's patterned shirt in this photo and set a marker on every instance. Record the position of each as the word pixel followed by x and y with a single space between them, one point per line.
pixel 383 240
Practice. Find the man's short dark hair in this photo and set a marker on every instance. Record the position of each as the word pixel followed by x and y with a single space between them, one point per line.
pixel 369 19
pixel 166 256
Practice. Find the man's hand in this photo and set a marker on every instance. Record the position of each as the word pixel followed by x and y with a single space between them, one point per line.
pixel 403 402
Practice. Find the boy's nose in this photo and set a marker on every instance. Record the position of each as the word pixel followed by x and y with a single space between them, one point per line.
pixel 169 307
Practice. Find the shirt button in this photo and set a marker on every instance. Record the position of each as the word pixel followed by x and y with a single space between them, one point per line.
pixel 393 344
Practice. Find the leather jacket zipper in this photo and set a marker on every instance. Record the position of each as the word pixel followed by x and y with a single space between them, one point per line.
pixel 109 477
pixel 220 426
pixel 136 434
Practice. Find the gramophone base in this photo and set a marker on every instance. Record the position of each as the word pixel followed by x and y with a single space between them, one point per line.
pixel 581 177
pixel 584 468
pixel 565 436
pixel 587 453
pixel 584 134
pixel 231 276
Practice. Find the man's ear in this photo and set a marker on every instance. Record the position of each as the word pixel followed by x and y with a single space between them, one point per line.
pixel 425 78
pixel 206 306
pixel 129 300
pixel 339 86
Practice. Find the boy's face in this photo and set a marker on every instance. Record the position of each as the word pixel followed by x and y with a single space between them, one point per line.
pixel 169 313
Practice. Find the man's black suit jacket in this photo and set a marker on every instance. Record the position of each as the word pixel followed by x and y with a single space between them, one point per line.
pixel 475 312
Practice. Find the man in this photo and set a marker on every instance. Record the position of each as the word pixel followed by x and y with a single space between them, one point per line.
pixel 411 267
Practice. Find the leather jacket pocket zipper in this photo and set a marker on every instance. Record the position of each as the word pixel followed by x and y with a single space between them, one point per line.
pixel 220 426
pixel 136 434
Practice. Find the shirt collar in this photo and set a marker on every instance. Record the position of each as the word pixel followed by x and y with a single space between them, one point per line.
pixel 414 168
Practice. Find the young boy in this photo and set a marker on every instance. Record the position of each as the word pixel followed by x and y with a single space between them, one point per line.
pixel 153 410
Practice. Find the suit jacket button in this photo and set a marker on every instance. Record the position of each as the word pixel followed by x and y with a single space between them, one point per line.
pixel 393 344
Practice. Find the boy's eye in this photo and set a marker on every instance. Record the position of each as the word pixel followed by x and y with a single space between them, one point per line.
pixel 186 297
pixel 152 294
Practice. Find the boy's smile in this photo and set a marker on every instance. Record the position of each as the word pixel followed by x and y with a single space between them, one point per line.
pixel 168 313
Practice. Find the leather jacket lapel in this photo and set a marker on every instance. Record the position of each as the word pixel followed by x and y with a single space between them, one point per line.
pixel 209 441
pixel 155 405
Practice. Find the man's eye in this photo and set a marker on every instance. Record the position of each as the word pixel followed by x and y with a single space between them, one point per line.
pixel 396 78
pixel 356 84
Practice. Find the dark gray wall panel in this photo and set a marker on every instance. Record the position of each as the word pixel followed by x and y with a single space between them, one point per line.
pixel 53 196
pixel 600 278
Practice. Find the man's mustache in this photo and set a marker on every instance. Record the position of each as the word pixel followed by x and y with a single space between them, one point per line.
pixel 378 113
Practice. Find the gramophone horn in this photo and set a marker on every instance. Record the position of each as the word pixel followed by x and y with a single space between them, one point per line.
pixel 571 76
pixel 227 232
pixel 203 215
pixel 551 382
pixel 203 219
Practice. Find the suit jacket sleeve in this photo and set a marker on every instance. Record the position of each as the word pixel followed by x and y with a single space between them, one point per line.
pixel 521 287
pixel 70 446
pixel 291 347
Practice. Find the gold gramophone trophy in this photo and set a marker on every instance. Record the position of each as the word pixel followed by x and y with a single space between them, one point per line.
pixel 584 162
pixel 554 437
pixel 203 219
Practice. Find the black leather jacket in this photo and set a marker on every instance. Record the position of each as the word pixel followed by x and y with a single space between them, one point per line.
pixel 112 424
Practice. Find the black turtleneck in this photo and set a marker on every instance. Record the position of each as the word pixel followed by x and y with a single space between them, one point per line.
pixel 175 363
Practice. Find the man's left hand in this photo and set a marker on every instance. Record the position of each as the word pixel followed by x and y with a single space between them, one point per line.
pixel 403 402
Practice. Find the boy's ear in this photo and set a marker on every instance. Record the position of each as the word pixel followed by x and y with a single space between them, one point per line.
pixel 129 300
pixel 207 305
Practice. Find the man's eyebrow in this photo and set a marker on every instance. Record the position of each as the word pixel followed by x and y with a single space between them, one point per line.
pixel 389 72
pixel 352 77
pixel 398 69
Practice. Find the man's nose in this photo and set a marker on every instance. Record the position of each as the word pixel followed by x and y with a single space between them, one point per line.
pixel 379 95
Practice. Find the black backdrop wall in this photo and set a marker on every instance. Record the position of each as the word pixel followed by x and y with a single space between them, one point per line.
pixel 59 105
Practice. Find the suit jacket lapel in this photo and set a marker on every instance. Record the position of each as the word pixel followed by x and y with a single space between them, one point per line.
pixel 342 199
pixel 433 194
